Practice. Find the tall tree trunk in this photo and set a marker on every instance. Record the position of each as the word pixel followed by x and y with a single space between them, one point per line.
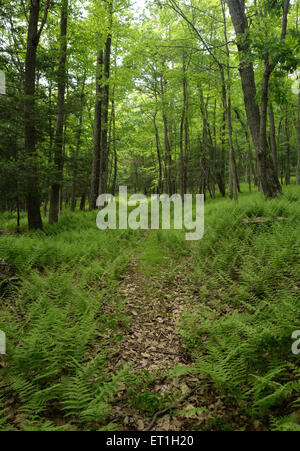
pixel 221 157
pixel 77 149
pixel 103 170
pixel 103 173
pixel 227 100
pixel 256 117
pixel 167 156
pixel 97 132
pixel 114 145
pixel 273 138
pixel 204 170
pixel 158 151
pixel 232 165
pixel 184 130
pixel 58 157
pixel 251 168
pixel 214 153
pixel 288 151
pixel 33 38
pixel 298 133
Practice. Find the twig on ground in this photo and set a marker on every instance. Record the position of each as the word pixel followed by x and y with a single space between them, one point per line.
pixel 160 413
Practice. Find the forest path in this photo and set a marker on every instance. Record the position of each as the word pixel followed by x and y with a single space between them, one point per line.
pixel 156 291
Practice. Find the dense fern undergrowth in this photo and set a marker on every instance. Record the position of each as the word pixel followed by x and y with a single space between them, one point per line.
pixel 245 278
pixel 55 375
pixel 249 276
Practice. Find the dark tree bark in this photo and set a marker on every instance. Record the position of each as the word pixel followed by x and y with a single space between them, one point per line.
pixel 221 158
pixel 82 202
pixel 58 156
pixel 257 117
pixel 33 38
pixel 103 172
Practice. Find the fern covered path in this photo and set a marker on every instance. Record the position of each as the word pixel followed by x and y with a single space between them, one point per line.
pixel 157 293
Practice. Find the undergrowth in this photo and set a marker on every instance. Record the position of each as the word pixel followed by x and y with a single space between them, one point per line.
pixel 247 283
pixel 63 312
pixel 55 374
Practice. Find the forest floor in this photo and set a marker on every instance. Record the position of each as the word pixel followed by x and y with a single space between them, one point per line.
pixel 157 291
pixel 137 330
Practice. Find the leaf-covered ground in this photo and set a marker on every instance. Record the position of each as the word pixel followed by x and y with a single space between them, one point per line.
pixel 157 291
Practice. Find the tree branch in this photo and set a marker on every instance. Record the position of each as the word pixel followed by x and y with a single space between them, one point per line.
pixel 24 10
pixel 43 23
pixel 173 5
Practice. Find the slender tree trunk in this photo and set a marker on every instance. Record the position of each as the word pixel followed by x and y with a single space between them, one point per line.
pixel 204 170
pixel 58 157
pixel 114 144
pixel 298 138
pixel 158 151
pixel 103 173
pixel 214 153
pixel 77 150
pixel 227 101
pixel 97 132
pixel 33 38
pixel 232 166
pixel 82 202
pixel 288 152
pixel 104 148
pixel 221 158
pixel 168 156
pixel 251 166
pixel 184 131
pixel 273 138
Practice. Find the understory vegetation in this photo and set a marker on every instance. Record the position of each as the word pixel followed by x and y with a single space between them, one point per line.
pixel 63 312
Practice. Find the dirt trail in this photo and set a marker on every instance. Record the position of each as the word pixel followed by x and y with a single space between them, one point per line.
pixel 155 298
pixel 152 341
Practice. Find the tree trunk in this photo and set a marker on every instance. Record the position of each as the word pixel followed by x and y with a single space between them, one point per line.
pixel 221 158
pixel 114 144
pixel 97 132
pixel 77 150
pixel 251 168
pixel 103 172
pixel 33 38
pixel 158 151
pixel 58 157
pixel 184 131
pixel 227 104
pixel 82 202
pixel 167 156
pixel 273 138
pixel 288 152
pixel 298 133
pixel 256 118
